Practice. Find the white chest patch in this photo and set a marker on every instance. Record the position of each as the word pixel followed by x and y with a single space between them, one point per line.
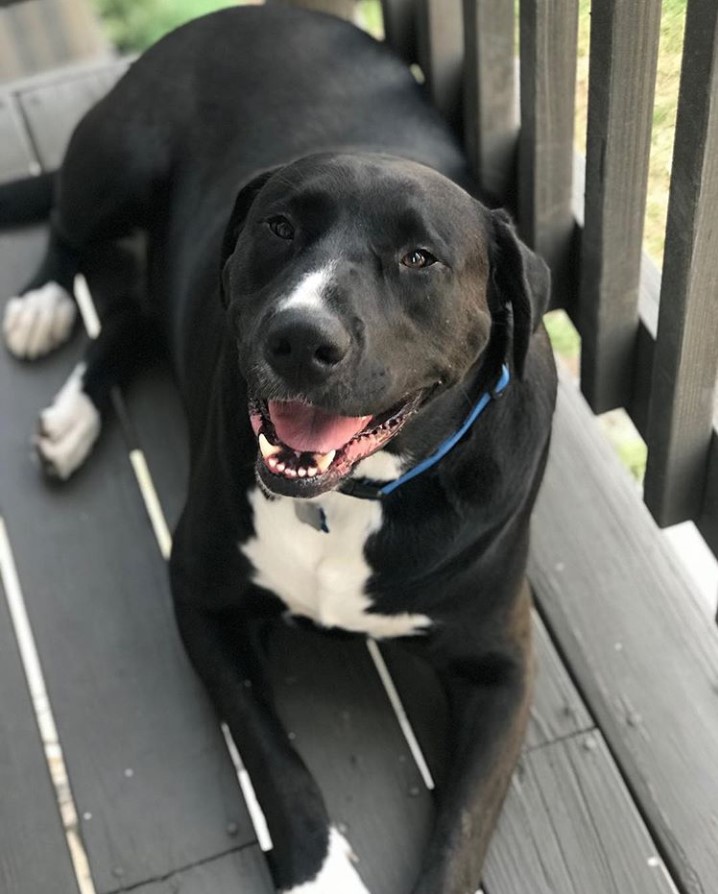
pixel 323 576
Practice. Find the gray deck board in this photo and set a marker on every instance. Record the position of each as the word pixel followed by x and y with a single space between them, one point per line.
pixel 14 159
pixel 569 824
pixel 578 831
pixel 124 695
pixel 33 848
pixel 238 872
pixel 52 108
pixel 161 430
pixel 644 656
pixel 333 704
pixel 557 711
pixel 97 595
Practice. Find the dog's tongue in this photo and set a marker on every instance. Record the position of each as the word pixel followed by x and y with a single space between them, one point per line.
pixel 312 430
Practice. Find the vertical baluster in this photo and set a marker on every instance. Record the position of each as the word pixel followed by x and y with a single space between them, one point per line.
pixel 400 27
pixel 441 54
pixel 490 121
pixel 686 358
pixel 549 34
pixel 624 55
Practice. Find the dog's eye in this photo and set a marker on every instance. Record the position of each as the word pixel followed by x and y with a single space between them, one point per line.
pixel 418 258
pixel 281 227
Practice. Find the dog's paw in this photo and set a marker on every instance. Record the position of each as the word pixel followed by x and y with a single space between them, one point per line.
pixel 67 429
pixel 337 875
pixel 39 321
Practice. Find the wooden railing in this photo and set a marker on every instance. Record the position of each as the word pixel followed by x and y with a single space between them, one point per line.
pixel 649 337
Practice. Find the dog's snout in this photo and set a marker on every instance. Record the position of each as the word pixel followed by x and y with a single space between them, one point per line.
pixel 300 344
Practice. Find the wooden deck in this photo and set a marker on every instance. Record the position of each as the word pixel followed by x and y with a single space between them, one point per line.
pixel 617 791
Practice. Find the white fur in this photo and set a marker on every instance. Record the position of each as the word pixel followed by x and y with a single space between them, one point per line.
pixel 38 321
pixel 323 576
pixel 309 291
pixel 337 875
pixel 68 428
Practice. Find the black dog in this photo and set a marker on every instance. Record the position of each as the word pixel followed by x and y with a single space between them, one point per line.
pixel 341 314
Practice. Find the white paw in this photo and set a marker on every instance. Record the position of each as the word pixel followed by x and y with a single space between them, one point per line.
pixel 39 321
pixel 337 875
pixel 67 429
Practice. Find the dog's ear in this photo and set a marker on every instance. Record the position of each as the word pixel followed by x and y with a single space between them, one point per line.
pixel 520 281
pixel 246 196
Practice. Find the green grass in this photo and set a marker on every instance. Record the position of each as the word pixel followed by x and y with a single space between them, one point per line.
pixel 134 25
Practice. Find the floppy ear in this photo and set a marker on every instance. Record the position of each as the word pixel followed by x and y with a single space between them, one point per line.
pixel 246 196
pixel 521 281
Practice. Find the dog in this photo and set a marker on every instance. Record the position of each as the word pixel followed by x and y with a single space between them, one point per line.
pixel 358 344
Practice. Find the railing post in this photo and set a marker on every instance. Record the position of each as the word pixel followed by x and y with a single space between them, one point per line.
pixel 549 34
pixel 400 27
pixel 624 56
pixel 686 358
pixel 490 120
pixel 441 54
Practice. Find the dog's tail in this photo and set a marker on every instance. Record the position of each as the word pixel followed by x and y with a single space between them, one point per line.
pixel 26 201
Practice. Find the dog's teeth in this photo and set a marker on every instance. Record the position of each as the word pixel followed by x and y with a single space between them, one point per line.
pixel 290 473
pixel 312 471
pixel 272 462
pixel 302 472
pixel 324 460
pixel 281 467
pixel 266 448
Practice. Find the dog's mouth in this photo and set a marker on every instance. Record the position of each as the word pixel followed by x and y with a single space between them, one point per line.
pixel 305 450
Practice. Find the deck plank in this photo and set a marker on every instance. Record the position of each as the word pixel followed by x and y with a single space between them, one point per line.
pixel 52 107
pixel 124 695
pixel 152 775
pixel 645 657
pixel 238 872
pixel 14 158
pixel 33 848
pixel 557 711
pixel 576 826
pixel 332 702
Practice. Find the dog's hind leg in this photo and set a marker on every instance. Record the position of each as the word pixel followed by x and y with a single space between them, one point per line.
pixel 101 193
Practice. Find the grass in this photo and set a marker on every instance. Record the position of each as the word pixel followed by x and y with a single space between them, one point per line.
pixel 134 25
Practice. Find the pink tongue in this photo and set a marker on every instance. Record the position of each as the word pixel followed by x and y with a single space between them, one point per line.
pixel 311 429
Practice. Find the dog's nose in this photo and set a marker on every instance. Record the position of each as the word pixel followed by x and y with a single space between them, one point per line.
pixel 301 344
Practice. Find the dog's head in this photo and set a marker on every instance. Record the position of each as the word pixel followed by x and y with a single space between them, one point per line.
pixel 359 287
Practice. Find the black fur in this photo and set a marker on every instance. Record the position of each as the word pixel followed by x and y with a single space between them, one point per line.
pixel 230 121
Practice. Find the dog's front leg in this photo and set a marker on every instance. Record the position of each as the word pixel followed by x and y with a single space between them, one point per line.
pixel 308 855
pixel 489 704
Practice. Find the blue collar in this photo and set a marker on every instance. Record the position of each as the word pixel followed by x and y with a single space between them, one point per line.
pixel 369 490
